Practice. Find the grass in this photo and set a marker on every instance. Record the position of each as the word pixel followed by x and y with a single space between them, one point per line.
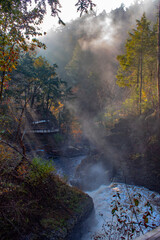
pixel 34 200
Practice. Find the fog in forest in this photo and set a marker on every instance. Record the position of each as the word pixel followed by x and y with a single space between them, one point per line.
pixel 79 122
pixel 85 51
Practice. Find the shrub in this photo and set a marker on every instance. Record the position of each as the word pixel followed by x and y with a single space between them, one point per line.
pixel 130 222
pixel 8 159
pixel 39 170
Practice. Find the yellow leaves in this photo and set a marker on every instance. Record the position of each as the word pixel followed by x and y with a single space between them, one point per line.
pixel 144 96
pixel 39 62
pixel 60 104
pixel 13 66
pixel 76 130
pixel 56 109
pixel 22 169
pixel 8 61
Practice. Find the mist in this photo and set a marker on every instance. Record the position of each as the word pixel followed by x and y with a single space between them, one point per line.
pixel 85 51
pixel 82 115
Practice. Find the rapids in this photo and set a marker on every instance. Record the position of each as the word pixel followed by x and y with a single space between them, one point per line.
pixel 103 197
pixel 98 225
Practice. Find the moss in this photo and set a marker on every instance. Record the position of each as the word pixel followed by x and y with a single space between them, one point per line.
pixel 50 205
pixel 35 202
pixel 53 223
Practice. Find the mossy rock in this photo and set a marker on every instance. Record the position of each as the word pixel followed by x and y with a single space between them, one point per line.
pixel 49 210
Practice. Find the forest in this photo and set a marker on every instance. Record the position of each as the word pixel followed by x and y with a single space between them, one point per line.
pixel 79 122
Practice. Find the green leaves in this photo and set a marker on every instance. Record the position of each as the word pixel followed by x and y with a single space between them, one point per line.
pixel 137 66
pixel 17 25
pixel 136 202
pixel 40 170
pixel 36 82
pixel 114 210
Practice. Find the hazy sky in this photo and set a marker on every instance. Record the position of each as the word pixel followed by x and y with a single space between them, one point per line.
pixel 69 12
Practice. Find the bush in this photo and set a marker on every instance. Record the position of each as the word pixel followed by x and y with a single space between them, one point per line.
pixel 8 159
pixel 39 170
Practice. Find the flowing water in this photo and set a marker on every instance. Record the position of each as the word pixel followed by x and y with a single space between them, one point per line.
pixel 66 166
pixel 115 198
pixel 115 193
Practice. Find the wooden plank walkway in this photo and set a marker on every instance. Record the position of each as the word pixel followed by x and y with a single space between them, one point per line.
pixel 43 131
pixel 152 235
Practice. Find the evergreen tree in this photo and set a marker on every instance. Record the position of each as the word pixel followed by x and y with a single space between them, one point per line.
pixel 138 64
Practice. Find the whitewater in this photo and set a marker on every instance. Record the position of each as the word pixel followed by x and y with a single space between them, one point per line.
pixel 134 204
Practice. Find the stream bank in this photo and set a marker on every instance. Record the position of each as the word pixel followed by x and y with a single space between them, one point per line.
pixel 99 222
pixel 129 154
pixel 36 204
pixel 125 157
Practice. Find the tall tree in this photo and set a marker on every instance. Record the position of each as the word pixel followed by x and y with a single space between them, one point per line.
pixel 158 60
pixel 36 83
pixel 18 24
pixel 135 64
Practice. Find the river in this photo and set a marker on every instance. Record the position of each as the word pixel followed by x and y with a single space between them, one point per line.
pixel 117 207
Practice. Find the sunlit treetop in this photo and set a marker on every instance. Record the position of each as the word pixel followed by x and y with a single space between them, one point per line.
pixel 19 26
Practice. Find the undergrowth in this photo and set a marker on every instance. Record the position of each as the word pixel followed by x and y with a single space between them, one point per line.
pixel 33 198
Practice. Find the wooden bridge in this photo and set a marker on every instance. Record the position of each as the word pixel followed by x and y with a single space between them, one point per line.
pixel 42 127
pixel 43 131
pixel 152 235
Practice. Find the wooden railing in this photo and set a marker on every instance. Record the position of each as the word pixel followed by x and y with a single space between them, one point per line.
pixel 152 235
pixel 43 131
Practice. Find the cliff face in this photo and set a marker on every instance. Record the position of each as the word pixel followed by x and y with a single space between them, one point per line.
pixel 48 209
pixel 65 223
pixel 131 154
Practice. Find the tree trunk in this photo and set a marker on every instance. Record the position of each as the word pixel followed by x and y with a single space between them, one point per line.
pixel 2 85
pixel 141 82
pixel 158 62
pixel 48 97
pixel 33 97
pixel 137 89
